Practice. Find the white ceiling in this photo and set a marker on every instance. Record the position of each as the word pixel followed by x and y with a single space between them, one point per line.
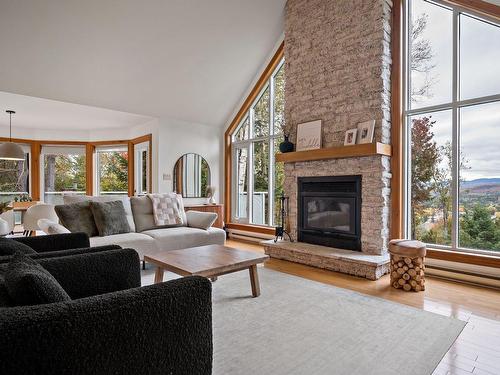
pixel 37 113
pixel 190 60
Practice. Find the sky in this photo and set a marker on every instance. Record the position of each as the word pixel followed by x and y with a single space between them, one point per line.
pixel 479 76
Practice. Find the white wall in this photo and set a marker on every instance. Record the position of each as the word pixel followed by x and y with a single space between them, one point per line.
pixel 176 138
pixel 171 139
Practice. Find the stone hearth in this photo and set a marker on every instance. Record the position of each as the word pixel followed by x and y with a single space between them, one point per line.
pixel 354 263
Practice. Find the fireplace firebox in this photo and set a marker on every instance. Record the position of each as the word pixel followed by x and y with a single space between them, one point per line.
pixel 329 211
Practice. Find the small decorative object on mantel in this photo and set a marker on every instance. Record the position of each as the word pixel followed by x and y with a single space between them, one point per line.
pixel 280 230
pixel 286 145
pixel 309 136
pixel 350 137
pixel 211 194
pixel 365 131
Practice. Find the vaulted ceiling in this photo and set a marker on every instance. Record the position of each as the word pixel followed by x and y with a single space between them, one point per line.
pixel 190 60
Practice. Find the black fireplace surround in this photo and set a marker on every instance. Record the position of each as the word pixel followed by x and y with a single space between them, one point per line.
pixel 329 211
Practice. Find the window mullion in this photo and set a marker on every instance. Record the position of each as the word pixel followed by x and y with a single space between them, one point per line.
pixel 455 173
pixel 250 180
pixel 270 172
pixel 406 125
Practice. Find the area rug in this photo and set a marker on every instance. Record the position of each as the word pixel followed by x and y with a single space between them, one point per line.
pixel 299 326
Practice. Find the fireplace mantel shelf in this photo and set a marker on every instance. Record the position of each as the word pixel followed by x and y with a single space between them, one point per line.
pixel 367 149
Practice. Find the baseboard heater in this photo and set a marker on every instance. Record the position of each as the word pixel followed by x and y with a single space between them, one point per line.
pixel 474 275
pixel 248 236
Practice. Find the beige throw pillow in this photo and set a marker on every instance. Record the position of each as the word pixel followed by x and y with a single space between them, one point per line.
pixel 166 210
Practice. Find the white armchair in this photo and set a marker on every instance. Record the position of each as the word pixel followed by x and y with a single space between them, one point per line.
pixel 8 216
pixel 35 213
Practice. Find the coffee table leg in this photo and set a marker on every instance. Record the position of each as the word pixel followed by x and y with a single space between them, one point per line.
pixel 254 280
pixel 159 275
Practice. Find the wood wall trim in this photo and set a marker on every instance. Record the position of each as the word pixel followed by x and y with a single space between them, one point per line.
pixel 397 183
pixel 44 142
pixel 251 228
pixel 35 171
pixel 110 143
pixel 478 6
pixel 141 139
pixel 461 257
pixel 131 168
pixel 341 152
pixel 89 168
pixel 275 60
pixel 36 148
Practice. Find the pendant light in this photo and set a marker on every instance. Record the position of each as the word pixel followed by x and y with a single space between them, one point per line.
pixel 9 150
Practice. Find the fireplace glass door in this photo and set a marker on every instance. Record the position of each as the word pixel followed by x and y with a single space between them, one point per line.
pixel 330 214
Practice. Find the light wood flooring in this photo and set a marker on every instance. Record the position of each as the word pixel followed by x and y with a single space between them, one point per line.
pixel 477 349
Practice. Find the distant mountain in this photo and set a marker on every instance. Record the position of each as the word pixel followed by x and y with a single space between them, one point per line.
pixel 480 181
pixel 481 185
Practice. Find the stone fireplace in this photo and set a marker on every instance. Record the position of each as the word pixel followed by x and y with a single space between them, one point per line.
pixel 337 67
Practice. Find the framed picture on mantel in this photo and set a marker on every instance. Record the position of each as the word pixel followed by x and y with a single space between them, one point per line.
pixel 309 135
pixel 365 131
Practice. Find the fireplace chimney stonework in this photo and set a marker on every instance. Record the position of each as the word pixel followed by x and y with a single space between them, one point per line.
pixel 338 66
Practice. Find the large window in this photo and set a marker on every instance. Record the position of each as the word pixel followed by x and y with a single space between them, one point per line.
pixel 14 177
pixel 64 172
pixel 452 127
pixel 112 170
pixel 257 180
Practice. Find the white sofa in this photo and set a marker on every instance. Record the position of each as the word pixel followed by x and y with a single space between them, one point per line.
pixel 145 236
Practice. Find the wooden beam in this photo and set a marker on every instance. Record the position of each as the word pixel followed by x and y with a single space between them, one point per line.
pixel 275 60
pixel 89 168
pixel 479 6
pixel 397 183
pixel 35 171
pixel 110 143
pixel 141 139
pixel 342 152
pixel 131 168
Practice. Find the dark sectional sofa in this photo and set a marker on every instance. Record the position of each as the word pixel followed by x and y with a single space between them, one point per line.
pixel 112 325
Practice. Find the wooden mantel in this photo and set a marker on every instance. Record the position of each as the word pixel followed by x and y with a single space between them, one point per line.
pixel 367 149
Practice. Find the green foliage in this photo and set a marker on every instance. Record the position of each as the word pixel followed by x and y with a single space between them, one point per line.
pixel 113 171
pixel 478 230
pixel 65 173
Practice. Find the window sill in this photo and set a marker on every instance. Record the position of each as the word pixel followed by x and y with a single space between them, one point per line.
pixel 463 257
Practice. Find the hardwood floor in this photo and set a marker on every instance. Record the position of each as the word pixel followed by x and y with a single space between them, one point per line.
pixel 477 349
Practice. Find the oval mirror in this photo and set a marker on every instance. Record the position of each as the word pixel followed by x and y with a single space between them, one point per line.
pixel 191 176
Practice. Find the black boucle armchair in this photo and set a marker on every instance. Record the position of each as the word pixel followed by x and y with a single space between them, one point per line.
pixel 112 325
pixel 55 242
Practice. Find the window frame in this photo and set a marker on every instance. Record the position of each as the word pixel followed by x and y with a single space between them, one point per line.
pixel 97 170
pixel 249 144
pixel 36 163
pixel 455 106
pixel 42 165
pixel 228 152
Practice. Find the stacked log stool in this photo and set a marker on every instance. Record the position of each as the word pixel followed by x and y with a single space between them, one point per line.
pixel 407 265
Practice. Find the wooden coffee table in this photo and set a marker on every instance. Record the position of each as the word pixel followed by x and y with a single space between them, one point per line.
pixel 208 261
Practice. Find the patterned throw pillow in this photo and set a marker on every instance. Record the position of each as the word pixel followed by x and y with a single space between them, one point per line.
pixel 166 209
